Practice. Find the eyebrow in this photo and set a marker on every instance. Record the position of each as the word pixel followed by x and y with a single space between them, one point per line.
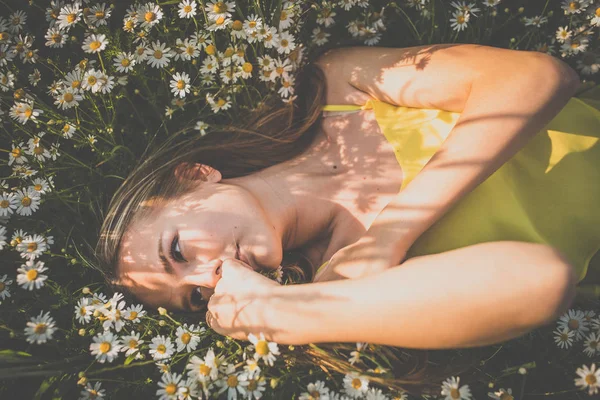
pixel 163 260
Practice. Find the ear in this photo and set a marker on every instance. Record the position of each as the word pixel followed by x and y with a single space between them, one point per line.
pixel 197 171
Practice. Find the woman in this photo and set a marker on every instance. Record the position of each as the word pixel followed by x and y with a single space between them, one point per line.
pixel 457 258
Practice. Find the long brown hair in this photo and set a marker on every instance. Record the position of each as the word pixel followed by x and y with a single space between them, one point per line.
pixel 272 133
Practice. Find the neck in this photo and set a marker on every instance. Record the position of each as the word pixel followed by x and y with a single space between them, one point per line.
pixel 295 194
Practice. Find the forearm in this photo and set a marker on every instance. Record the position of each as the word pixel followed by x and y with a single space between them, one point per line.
pixel 504 110
pixel 421 305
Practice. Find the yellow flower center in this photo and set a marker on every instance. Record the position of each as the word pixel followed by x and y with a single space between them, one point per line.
pixel 2 286
pixel 454 393
pixel 57 38
pixel 180 84
pixel 573 5
pixel 99 14
pixel 220 21
pixel 185 338
pixel 161 349
pixel 129 24
pixel 75 84
pixel 315 395
pixel 32 274
pixel 4 204
pixel 149 16
pixel 575 44
pixel 237 25
pixel 232 381
pixel 204 370
pixel 187 9
pixel 82 311
pixel 229 52
pixel 283 16
pixel 221 102
pixel 66 128
pixel 28 112
pixel 158 54
pixel 266 74
pixel 133 343
pixel 573 324
pixel 284 43
pixel 506 396
pixel 285 84
pixel 26 201
pixel 71 18
pixel 219 7
pixel 460 19
pixel 247 67
pixel 190 50
pixel 171 388
pixel 68 97
pixel 262 348
pixel 40 329
pixel 91 80
pixel 16 152
pixel 95 45
pixel 125 62
pixel 105 347
pixel 252 384
pixel 598 12
pixel 38 150
pixel 252 24
pixel 133 315
pixel 210 49
pixel 590 379
pixel 593 344
pixel 356 383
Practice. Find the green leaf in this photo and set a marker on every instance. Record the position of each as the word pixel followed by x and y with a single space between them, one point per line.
pixel 16 357
pixel 46 384
pixel 129 359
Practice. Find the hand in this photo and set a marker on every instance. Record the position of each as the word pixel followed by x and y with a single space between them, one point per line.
pixel 240 301
pixel 368 255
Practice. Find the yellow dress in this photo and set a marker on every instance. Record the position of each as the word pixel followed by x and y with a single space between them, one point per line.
pixel 549 192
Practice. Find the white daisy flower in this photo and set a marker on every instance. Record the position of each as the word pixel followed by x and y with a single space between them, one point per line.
pixel 186 338
pixel 467 9
pixel 252 23
pixel 55 38
pixel 316 390
pixel 254 387
pixel 68 131
pixel 19 235
pixel 90 392
pixel 207 80
pixel 35 77
pixel 237 30
pixel 24 112
pixel 326 14
pixel 7 81
pixel 169 386
pixel 375 394
pixel 287 14
pixel 91 80
pixel 99 14
pixel 452 391
pixel 502 394
pixel 67 99
pixel 180 84
pixel 113 316
pixel 186 49
pixel 219 9
pixel 16 21
pixel 281 69
pixel 94 43
pixel 355 355
pixel 161 348
pixel 32 246
pixel 319 36
pixel 40 329
pixel 124 62
pixel 202 39
pixel 287 87
pixel 122 80
pixel 139 53
pixel 159 55
pixel 594 15
pixel 200 126
pixel 536 21
pixel 133 313
pixel 149 15
pixel 17 154
pixel 130 344
pixel 220 23
pixel 74 80
pixel 589 377
pixel 187 9
pixel 575 321
pixel 370 36
pixel 83 312
pixel 355 385
pixel 233 382
pixel 106 347
pixel 29 202
pixel 210 65
pixel 4 283
pixel 220 104
pixel 265 350
pixel 53 11
pixel 591 345
pixel 252 368
pixel 491 3
pixel 30 275
pixel 69 16
pixel 107 83
pixel 40 185
pixel 286 43
pixel 188 390
pixel 574 6
pixel 460 20
pixel 39 152
pixel 205 369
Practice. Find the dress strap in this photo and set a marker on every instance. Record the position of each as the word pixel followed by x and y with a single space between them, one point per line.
pixel 348 107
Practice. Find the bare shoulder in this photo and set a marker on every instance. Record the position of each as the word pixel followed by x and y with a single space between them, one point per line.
pixel 339 90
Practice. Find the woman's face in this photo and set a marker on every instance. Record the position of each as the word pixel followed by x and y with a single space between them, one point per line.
pixel 214 222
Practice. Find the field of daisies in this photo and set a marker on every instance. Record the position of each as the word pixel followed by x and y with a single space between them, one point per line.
pixel 87 88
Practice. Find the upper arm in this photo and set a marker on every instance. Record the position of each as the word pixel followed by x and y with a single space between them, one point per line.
pixel 431 76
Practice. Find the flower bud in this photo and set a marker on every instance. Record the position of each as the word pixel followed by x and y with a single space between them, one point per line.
pixel 162 322
pixel 86 290
pixel 521 9
pixel 274 382
pixel 81 332
pixel 522 370
pixel 81 374
pixel 162 311
pixel 82 381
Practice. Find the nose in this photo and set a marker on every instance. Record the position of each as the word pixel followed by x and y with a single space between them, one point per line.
pixel 204 274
